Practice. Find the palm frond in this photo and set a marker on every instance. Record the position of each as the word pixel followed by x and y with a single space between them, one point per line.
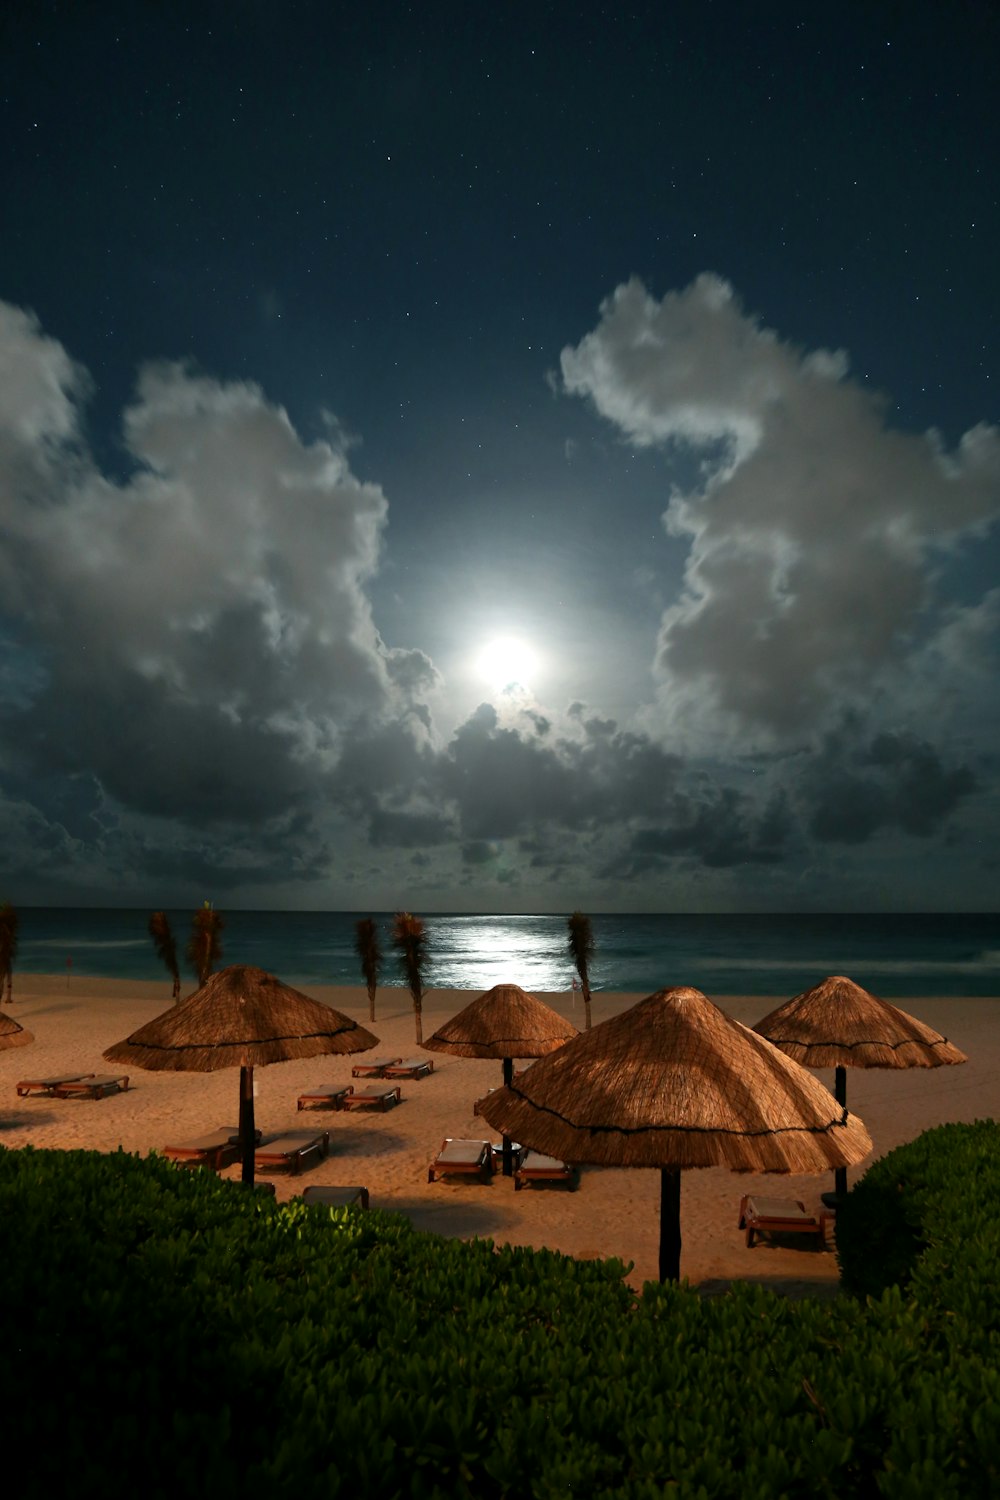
pixel 581 945
pixel 366 946
pixel 204 947
pixel 409 936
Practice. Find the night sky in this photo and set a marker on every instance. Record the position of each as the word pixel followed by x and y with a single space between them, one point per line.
pixel 502 457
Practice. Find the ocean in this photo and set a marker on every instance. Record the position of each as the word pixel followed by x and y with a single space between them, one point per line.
pixel 892 955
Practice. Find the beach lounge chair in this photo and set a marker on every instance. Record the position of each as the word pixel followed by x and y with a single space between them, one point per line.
pixel 336 1197
pixel 409 1067
pixel 374 1068
pixel 290 1151
pixel 760 1216
pixel 216 1149
pixel 327 1096
pixel 95 1086
pixel 463 1157
pixel 378 1096
pixel 536 1167
pixel 46 1085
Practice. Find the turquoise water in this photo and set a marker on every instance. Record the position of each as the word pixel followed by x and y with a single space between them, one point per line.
pixel 891 955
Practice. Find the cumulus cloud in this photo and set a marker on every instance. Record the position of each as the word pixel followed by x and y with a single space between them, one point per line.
pixel 196 636
pixel 814 530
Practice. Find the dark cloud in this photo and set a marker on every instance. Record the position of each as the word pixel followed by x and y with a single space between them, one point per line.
pixel 478 852
pixel 894 781
pixel 503 783
pixel 409 830
pixel 719 829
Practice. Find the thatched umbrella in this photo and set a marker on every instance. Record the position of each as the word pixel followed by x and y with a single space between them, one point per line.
pixel 839 1025
pixel 241 1017
pixel 505 1022
pixel 11 1034
pixel 675 1083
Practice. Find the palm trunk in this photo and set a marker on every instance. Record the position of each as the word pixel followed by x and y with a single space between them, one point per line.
pixel 418 1013
pixel 586 1005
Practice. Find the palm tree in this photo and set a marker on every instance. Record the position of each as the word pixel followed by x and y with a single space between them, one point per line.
pixel 581 948
pixel 370 954
pixel 166 946
pixel 204 947
pixel 410 937
pixel 8 947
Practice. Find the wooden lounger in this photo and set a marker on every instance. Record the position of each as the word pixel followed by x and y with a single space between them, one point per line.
pixel 327 1096
pixel 778 1216
pixel 336 1197
pixel 535 1167
pixel 374 1068
pixel 94 1086
pixel 379 1096
pixel 410 1067
pixel 216 1149
pixel 471 1158
pixel 46 1085
pixel 291 1150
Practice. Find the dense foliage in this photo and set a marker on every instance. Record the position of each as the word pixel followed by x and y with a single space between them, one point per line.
pixel 174 1334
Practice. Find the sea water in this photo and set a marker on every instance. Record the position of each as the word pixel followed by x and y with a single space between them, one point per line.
pixel 892 955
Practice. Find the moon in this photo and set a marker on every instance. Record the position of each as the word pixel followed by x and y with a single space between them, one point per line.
pixel 507 661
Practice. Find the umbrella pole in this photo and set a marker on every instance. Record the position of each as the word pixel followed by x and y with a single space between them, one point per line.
pixel 508 1079
pixel 670 1224
pixel 840 1094
pixel 247 1129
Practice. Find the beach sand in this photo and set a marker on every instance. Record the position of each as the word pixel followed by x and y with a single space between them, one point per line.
pixel 614 1213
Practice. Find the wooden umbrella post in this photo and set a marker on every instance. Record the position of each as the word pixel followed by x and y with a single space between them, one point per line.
pixel 247 1127
pixel 670 1224
pixel 840 1094
pixel 508 1079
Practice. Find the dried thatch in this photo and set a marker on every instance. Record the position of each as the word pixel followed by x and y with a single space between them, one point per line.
pixel 837 1024
pixel 241 1016
pixel 505 1022
pixel 11 1034
pixel 673 1083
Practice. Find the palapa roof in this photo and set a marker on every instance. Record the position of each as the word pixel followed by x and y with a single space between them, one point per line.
pixel 240 1016
pixel 11 1034
pixel 674 1082
pixel 837 1024
pixel 505 1022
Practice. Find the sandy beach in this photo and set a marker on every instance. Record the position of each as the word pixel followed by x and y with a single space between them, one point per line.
pixel 614 1213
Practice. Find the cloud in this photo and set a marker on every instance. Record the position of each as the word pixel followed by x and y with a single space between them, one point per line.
pixel 814 531
pixel 197 637
pixel 896 781
pixel 193 686
pixel 718 829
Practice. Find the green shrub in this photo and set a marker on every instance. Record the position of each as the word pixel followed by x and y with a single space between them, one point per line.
pixel 202 1340
pixel 919 1206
